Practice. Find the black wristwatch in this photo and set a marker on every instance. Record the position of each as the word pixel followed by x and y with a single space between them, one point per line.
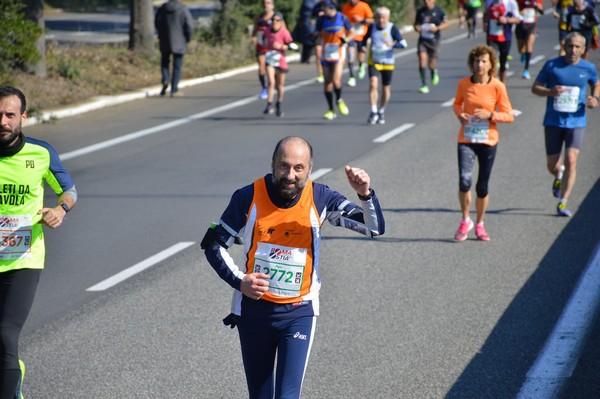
pixel 65 207
pixel 366 197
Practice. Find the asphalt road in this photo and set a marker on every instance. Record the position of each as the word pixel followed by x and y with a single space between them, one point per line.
pixel 410 315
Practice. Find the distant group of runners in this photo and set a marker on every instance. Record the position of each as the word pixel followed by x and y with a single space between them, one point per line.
pixel 368 40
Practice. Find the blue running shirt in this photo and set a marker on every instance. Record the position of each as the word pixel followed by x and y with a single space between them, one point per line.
pixel 568 111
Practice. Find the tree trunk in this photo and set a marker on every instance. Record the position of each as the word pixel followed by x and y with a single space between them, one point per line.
pixel 223 28
pixel 141 26
pixel 35 12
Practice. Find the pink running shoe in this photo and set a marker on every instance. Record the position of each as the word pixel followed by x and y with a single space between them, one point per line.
pixel 481 233
pixel 463 230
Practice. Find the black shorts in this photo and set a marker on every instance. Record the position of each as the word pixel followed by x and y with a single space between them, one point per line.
pixel 358 44
pixel 523 31
pixel 562 34
pixel 555 137
pixel 428 46
pixel 471 12
pixel 386 74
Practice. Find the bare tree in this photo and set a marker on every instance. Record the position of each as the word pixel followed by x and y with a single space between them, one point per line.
pixel 141 26
pixel 34 11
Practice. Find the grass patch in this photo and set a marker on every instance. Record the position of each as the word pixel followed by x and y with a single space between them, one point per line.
pixel 78 73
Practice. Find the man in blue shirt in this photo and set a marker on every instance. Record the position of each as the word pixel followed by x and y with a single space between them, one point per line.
pixel 563 81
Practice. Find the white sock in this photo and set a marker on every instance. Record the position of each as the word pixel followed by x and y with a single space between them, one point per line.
pixel 561 170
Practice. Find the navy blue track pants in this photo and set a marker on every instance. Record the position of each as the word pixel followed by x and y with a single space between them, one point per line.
pixel 290 340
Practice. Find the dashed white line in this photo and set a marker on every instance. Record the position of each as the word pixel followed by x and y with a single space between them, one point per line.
pixel 143 265
pixel 153 130
pixel 448 103
pixel 393 133
pixel 536 59
pixel 562 350
pixel 169 125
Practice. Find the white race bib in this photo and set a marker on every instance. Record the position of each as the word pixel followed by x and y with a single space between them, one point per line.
pixel 477 131
pixel 359 29
pixel 528 15
pixel 332 51
pixel 15 236
pixel 577 21
pixel 273 57
pixel 284 265
pixel 568 100
pixel 426 32
pixel 260 38
pixel 380 52
pixel 496 28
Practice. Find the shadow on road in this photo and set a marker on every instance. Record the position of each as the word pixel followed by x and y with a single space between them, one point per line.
pixel 500 367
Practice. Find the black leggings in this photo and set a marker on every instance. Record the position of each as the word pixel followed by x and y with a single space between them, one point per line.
pixel 17 290
pixel 466 159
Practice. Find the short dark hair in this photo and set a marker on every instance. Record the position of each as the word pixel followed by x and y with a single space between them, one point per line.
pixel 285 140
pixel 6 91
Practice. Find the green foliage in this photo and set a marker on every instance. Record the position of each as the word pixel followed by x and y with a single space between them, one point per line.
pixel 403 11
pixel 236 18
pixel 68 69
pixel 17 46
pixel 230 23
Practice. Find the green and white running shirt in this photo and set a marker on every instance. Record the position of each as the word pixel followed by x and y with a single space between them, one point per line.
pixel 22 178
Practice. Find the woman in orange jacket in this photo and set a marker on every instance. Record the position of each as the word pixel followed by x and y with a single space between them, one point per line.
pixel 480 103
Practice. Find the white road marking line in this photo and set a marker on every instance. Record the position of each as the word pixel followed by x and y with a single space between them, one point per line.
pixel 155 129
pixel 563 348
pixel 448 103
pixel 169 125
pixel 143 265
pixel 536 59
pixel 516 112
pixel 319 173
pixel 401 129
